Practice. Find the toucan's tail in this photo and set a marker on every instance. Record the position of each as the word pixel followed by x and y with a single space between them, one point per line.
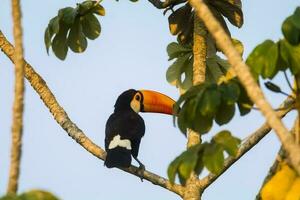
pixel 118 157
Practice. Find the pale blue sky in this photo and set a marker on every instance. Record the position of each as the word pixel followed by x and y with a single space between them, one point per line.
pixel 130 53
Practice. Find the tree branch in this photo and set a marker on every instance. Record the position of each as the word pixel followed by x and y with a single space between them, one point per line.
pixel 71 128
pixel 17 122
pixel 252 140
pixel 164 4
pixel 243 73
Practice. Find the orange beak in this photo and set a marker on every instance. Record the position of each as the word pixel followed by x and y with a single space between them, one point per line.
pixel 157 103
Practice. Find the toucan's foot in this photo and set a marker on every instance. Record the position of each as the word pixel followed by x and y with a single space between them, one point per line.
pixel 141 171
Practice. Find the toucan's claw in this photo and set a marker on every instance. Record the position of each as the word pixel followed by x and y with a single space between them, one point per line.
pixel 141 169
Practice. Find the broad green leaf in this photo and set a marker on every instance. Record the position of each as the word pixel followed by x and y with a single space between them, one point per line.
pixel 230 92
pixel 296 18
pixel 228 142
pixel 76 39
pixel 90 26
pixel 67 15
pixel 231 11
pixel 291 55
pixel 213 72
pixel 263 59
pixel 188 78
pixel 225 113
pixel 174 72
pixel 85 7
pixel 202 124
pixel 175 50
pixel 99 10
pixel 47 39
pixel 177 20
pixel 54 25
pixel 290 31
pixel 184 164
pixel 213 158
pixel 59 43
pixel 37 195
pixel 210 101
pixel 273 87
pixel 244 102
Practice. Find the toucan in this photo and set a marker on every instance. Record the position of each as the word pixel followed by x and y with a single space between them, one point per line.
pixel 125 127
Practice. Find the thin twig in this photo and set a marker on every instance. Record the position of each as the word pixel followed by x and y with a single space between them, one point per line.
pixel 59 114
pixel 252 140
pixel 17 122
pixel 251 86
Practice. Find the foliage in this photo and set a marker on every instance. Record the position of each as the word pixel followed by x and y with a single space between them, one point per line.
pixel 71 28
pixel 202 104
pixel 269 57
pixel 31 195
pixel 208 154
pixel 181 21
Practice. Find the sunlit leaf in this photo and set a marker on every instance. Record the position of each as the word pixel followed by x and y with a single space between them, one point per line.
pixel 37 195
pixel 213 158
pixel 76 40
pixel 290 31
pixel 90 26
pixel 228 142
pixel 99 10
pixel 291 55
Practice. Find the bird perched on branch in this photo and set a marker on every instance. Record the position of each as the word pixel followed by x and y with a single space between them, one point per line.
pixel 125 127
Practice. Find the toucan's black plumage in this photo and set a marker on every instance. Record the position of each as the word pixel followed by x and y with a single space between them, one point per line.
pixel 129 125
pixel 125 127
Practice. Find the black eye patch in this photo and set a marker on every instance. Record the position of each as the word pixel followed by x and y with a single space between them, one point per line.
pixel 138 97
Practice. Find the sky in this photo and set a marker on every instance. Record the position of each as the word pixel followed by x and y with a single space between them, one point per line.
pixel 130 53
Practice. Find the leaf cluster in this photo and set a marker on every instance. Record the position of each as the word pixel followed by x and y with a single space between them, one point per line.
pixel 31 195
pixel 208 102
pixel 181 21
pixel 208 154
pixel 269 57
pixel 72 27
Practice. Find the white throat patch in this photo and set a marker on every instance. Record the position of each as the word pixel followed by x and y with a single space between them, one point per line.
pixel 116 141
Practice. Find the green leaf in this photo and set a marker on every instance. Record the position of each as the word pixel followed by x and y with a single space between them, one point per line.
pixel 290 31
pixel 53 28
pixel 184 164
pixel 99 10
pixel 59 43
pixel 244 102
pixel 67 15
pixel 38 195
pixel 214 71
pixel 230 10
pixel 296 18
pixel 230 92
pixel 176 50
pixel 210 101
pixel 85 7
pixel 228 142
pixel 188 79
pixel 91 26
pixel 238 45
pixel 263 59
pixel 213 158
pixel 47 39
pixel 174 72
pixel 291 55
pixel 76 40
pixel 273 87
pixel 177 20
pixel 225 113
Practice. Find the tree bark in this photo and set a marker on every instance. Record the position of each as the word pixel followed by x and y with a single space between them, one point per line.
pixel 192 191
pixel 17 122
pixel 243 73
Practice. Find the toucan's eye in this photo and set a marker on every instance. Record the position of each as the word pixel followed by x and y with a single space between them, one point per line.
pixel 138 97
